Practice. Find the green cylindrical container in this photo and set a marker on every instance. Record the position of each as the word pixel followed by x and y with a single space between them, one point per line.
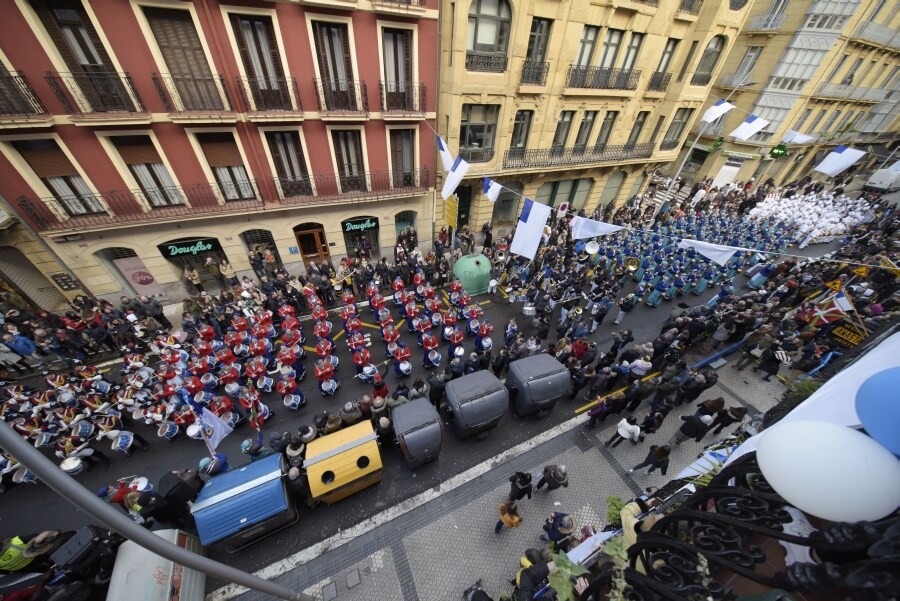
pixel 474 271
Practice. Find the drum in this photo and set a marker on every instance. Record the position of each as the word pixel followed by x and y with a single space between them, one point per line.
pixel 287 371
pixel 83 429
pixel 434 357
pixel 368 372
pixel 141 484
pixel 66 399
pixel 43 439
pixel 71 465
pixel 233 389
pixel 420 291
pixel 329 387
pixel 437 320
pixel 592 248
pixel 458 352
pixel 203 397
pixel 338 286
pixel 405 367
pixel 231 418
pixel 391 347
pixel 195 431
pixel 167 430
pixel 528 310
pixel 334 361
pixel 122 441
pixel 102 386
pixel 448 331
pixel 487 343
pixel 209 381
pixel 294 401
pixel 473 326
pixel 264 384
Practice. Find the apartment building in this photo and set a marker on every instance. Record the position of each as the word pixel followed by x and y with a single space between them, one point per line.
pixel 138 136
pixel 574 102
pixel 825 68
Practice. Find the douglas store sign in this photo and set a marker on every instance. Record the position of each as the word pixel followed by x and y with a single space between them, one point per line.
pixel 352 226
pixel 189 247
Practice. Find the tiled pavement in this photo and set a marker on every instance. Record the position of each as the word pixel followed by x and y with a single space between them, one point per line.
pixel 438 549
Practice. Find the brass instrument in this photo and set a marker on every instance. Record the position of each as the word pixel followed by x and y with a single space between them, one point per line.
pixel 499 259
pixel 632 264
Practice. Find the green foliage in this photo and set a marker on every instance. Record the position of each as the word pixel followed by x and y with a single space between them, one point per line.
pixel 800 390
pixel 561 580
pixel 713 467
pixel 614 507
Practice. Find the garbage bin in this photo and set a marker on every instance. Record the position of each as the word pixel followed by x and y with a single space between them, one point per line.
pixel 474 271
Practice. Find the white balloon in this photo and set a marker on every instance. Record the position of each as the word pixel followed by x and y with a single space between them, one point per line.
pixel 830 471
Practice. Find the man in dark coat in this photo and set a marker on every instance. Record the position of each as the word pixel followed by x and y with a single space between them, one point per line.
pixel 694 426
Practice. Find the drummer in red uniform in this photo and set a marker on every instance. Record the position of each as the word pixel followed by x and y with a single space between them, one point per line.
pixel 398 285
pixel 385 319
pixel 319 313
pixel 401 354
pixel 412 312
pixel 485 328
pixel 428 343
pixel 322 329
pixel 455 285
pixel 456 341
pixel 423 325
pixel 371 290
pixel 347 296
pixel 324 347
pixel 390 335
pixel 361 358
pixel 324 372
pixel 353 325
pixel 376 303
pixel 356 340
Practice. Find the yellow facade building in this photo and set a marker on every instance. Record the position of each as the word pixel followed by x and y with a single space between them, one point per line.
pixel 827 69
pixel 573 102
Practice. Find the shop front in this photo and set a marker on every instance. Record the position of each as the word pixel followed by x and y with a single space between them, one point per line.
pixel 360 235
pixel 192 252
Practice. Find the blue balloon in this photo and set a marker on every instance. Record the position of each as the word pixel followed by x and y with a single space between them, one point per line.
pixel 878 408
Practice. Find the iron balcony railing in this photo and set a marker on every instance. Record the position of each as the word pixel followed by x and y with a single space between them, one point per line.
pixel 534 73
pixel 737 4
pixel 851 92
pixel 192 94
pixel 701 79
pixel 342 96
pixel 576 155
pixel 488 63
pixel 690 6
pixel 131 206
pixel 602 78
pixel 669 144
pixel 403 98
pixel 267 95
pixel 96 92
pixel 765 23
pixel 477 155
pixel 356 187
pixel 659 81
pixel 17 98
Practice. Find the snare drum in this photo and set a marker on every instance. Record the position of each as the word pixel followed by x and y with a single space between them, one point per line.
pixel 473 326
pixel 264 384
pixel 294 401
pixel 391 348
pixel 209 381
pixel 167 430
pixel 43 439
pixel 72 466
pixel 194 431
pixel 329 387
pixel 459 352
pixel 334 361
pixel 233 389
pixel 368 372
pixel 122 441
pixel 528 310
pixel 204 398
pixel 83 429
pixel 448 331
pixel 434 357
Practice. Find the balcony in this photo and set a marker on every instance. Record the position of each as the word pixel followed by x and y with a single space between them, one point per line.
pixel 362 187
pixel 486 63
pixel 691 7
pixel 851 92
pixel 18 102
pixel 477 155
pixel 659 81
pixel 131 206
pixel 878 34
pixel 737 4
pixel 575 155
pixel 269 95
pixel 96 94
pixel 191 96
pixel 701 79
pixel 399 7
pixel 342 97
pixel 765 23
pixel 732 80
pixel 534 73
pixel 402 99
pixel 602 78
pixel 670 144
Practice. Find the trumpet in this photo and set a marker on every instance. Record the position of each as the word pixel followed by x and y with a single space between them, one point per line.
pixel 632 264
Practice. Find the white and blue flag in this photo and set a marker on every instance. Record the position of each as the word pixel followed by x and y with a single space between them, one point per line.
pixel 491 189
pixel 215 427
pixel 456 174
pixel 839 159
pixel 530 229
pixel 446 157
pixel 716 110
pixel 750 126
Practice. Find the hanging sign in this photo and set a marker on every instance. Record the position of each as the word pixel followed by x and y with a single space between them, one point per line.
pixel 861 271
pixel 834 285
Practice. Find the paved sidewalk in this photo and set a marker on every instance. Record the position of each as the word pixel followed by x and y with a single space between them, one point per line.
pixel 437 549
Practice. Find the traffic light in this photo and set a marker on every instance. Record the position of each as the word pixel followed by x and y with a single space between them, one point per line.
pixel 778 152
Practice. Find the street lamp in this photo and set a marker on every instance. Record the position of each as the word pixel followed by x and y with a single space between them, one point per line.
pixel 742 84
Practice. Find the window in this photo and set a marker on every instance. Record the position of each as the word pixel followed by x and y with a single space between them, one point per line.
pixel 397 53
pixel 657 128
pixel 538 40
pixel 349 157
pixel 777 7
pixel 521 129
pixel 747 64
pixel 820 21
pixel 477 129
pixel 668 52
pixel 837 67
pixel 687 60
pixel 815 124
pixel 676 128
pixel 290 164
pixel 224 158
pixel 585 129
pixel 148 169
pixel 611 189
pixel 52 166
pixel 506 209
pixel 829 123
pixel 488 35
pixel 609 120
pixel 843 124
pixel 335 66
pixel 877 10
pixel 637 128
pixel 708 61
pixel 188 71
pixel 586 47
pixel 632 51
pixel 562 129
pixel 611 48
pixel 255 37
pixel 797 67
pixel 571 191
pixel 774 115
pixel 806 114
pixel 403 157
pixel 848 79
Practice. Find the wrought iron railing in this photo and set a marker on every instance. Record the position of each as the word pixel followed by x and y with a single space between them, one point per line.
pixel 17 98
pixel 191 94
pixel 357 187
pixel 477 155
pixel 737 4
pixel 701 79
pixel 851 92
pixel 534 73
pixel 342 96
pixel 403 97
pixel 765 23
pixel 130 206
pixel 96 92
pixel 576 155
pixel 602 78
pixel 670 144
pixel 659 81
pixel 266 95
pixel 489 63
pixel 690 6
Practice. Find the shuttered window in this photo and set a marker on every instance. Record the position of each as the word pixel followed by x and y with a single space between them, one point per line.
pixel 287 154
pixel 181 48
pixel 349 158
pixel 403 157
pixel 224 159
pixel 157 186
pixel 333 52
pixel 53 167
pixel 397 55
pixel 255 38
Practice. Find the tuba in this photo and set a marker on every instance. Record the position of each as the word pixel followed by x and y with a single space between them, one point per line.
pixel 632 264
pixel 499 259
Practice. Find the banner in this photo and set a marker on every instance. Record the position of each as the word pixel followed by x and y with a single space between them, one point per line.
pixel 750 126
pixel 839 159
pixel 454 177
pixel 530 229
pixel 140 278
pixel 716 110
pixel 583 227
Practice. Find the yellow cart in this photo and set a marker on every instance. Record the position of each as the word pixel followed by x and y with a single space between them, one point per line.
pixel 343 463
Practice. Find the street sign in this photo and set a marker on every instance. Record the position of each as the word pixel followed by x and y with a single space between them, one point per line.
pixel 861 271
pixel 834 285
pixel 451 208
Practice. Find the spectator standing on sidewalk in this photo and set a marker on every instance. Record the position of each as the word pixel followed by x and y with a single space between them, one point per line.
pixel 520 486
pixel 553 476
pixel 558 530
pixel 153 309
pixel 726 417
pixel 509 516
pixel 694 426
pixel 657 458
pixel 627 428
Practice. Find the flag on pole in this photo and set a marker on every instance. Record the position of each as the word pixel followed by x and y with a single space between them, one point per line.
pixel 454 177
pixel 750 126
pixel 827 311
pixel 795 137
pixel 446 157
pixel 895 168
pixel 843 302
pixel 839 159
pixel 716 110
pixel 216 428
pixel 530 229
pixel 714 252
pixel 491 189
pixel 582 228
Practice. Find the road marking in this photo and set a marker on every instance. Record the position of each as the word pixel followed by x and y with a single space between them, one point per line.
pixel 280 567
pixel 369 325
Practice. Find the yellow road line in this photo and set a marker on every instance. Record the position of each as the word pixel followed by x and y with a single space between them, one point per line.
pixel 485 302
pixel 399 323
pixel 369 325
pixel 339 334
pixel 311 349
pixel 592 403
